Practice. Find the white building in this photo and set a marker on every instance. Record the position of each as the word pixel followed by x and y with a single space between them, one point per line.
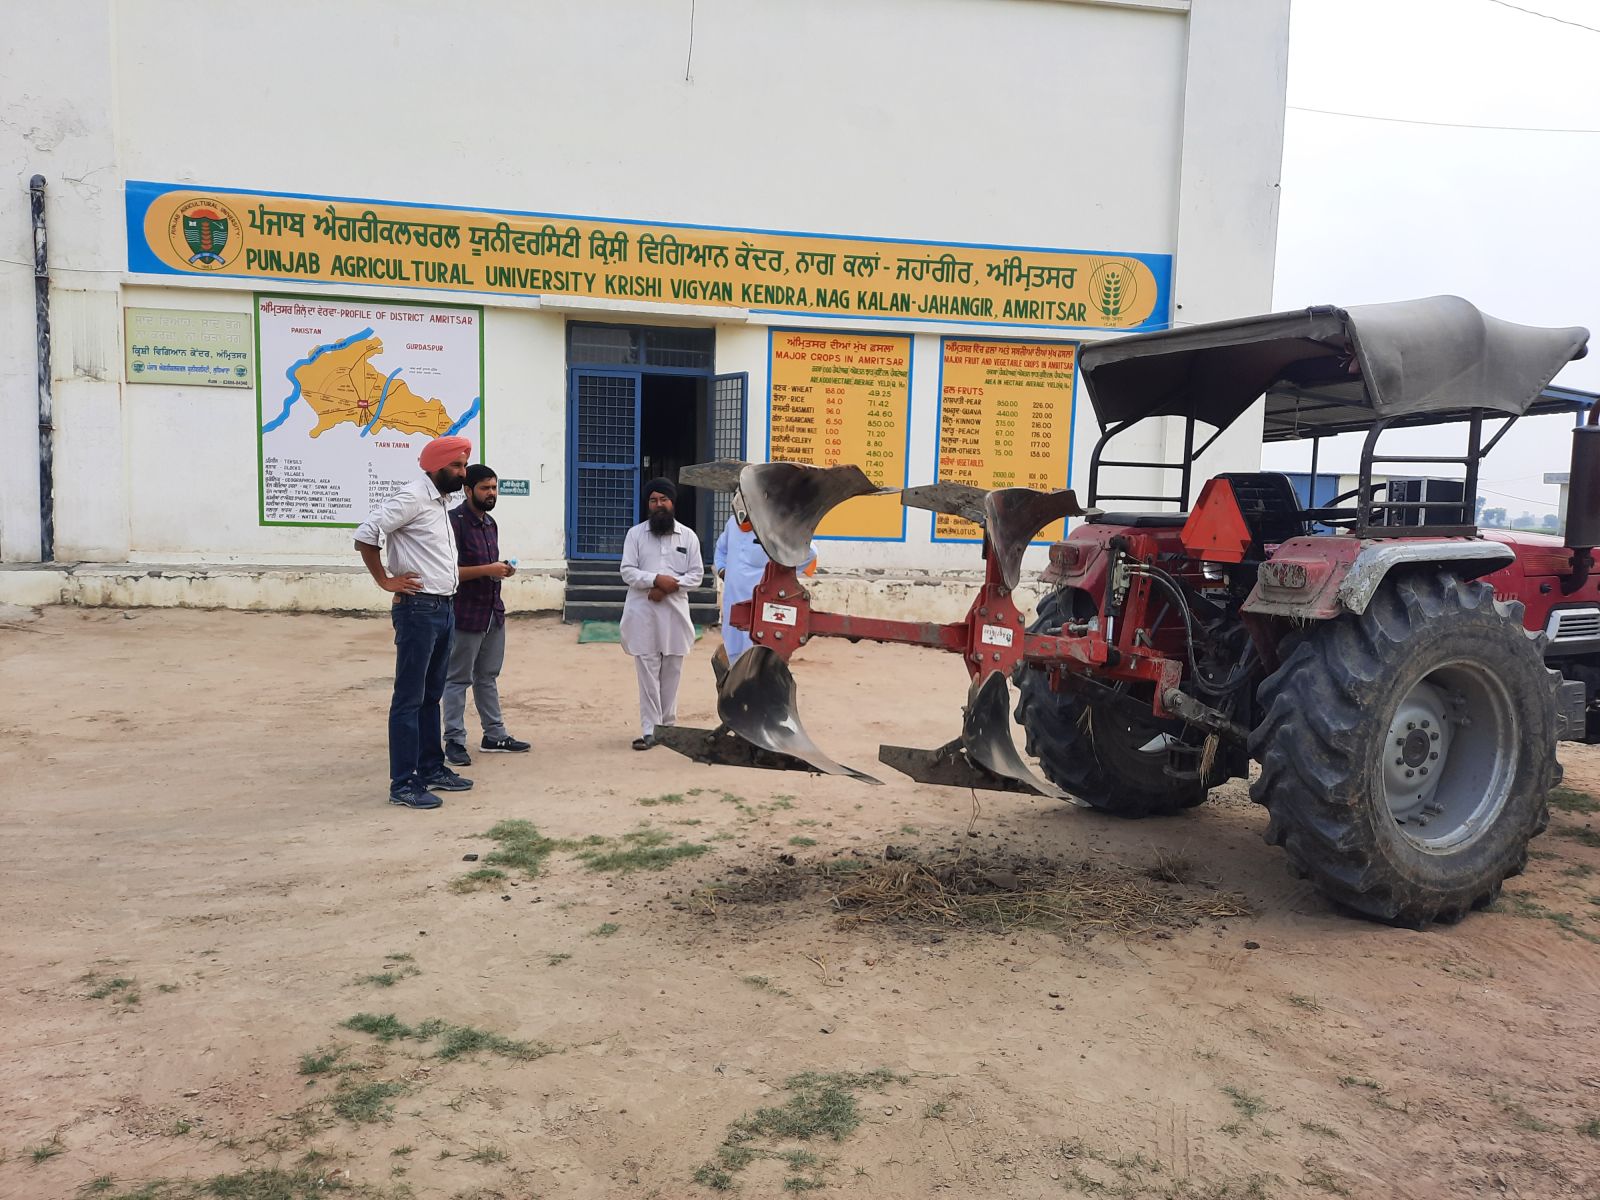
pixel 661 217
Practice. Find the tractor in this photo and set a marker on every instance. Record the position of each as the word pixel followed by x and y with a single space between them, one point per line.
pixel 1401 679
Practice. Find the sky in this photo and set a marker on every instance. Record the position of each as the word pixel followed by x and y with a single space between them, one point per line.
pixel 1385 210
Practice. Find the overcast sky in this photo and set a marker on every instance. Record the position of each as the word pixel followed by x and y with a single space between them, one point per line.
pixel 1380 210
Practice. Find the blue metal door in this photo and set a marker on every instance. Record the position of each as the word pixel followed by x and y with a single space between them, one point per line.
pixel 603 487
pixel 728 398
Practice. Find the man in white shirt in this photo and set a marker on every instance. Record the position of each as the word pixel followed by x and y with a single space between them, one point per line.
pixel 422 575
pixel 740 562
pixel 660 563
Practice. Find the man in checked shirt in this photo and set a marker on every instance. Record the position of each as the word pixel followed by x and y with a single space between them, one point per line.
pixel 479 647
pixel 415 524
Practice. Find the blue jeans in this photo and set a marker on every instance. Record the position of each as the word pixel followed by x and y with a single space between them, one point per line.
pixel 422 629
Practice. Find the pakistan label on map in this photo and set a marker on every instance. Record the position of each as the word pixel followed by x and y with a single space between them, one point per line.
pixel 349 392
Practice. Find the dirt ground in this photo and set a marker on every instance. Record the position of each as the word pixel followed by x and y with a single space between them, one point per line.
pixel 201 883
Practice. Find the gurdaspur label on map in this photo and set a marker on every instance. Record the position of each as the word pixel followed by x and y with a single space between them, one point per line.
pixel 175 230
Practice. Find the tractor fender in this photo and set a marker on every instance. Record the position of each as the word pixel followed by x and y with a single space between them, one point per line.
pixel 1317 578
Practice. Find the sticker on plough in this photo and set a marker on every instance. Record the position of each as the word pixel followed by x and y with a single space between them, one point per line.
pixel 783 614
pixel 997 635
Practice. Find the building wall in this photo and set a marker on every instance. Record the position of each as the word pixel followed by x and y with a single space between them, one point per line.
pixel 1125 127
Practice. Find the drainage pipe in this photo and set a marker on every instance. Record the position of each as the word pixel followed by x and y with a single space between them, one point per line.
pixel 41 318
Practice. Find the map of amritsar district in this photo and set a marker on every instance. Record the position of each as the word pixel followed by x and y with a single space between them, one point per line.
pixel 341 385
pixel 349 392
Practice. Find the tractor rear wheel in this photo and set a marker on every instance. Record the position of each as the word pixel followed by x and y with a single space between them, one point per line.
pixel 1105 754
pixel 1405 753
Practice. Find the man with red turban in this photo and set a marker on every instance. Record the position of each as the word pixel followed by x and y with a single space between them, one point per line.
pixel 422 574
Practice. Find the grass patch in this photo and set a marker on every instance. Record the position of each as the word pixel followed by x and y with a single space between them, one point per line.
pixel 1171 868
pixel 818 1106
pixel 669 798
pixel 366 1103
pixel 121 987
pixel 387 1028
pixel 555 960
pixel 762 984
pixel 455 1041
pixel 98 1185
pixel 460 1040
pixel 1520 904
pixel 644 850
pixel 1519 1115
pixel 1360 1081
pixel 390 977
pixel 1249 1104
pixel 321 1062
pixel 259 1183
pixel 913 830
pixel 487 1155
pixel 1565 799
pixel 606 929
pixel 521 846
pixel 477 881
pixel 1583 836
pixel 1590 1128
pixel 1308 1003
pixel 1321 1130
pixel 46 1151
pixel 799 840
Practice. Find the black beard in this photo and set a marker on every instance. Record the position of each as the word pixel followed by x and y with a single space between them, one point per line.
pixel 484 505
pixel 661 521
pixel 448 483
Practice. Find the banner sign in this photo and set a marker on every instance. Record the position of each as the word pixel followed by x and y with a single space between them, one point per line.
pixel 844 398
pixel 185 346
pixel 351 391
pixel 1005 420
pixel 175 230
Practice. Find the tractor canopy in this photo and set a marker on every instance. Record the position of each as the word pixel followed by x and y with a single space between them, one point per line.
pixel 1329 370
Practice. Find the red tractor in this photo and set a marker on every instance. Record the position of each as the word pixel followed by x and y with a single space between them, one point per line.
pixel 1401 679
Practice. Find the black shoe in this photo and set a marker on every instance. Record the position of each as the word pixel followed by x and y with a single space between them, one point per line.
pixel 456 754
pixel 502 745
pixel 643 743
pixel 413 795
pixel 446 780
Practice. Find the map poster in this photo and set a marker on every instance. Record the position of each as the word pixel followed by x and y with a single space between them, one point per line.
pixel 349 393
pixel 186 346
pixel 844 398
pixel 1005 420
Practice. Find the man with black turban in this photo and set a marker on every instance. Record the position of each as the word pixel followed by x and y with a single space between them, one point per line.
pixel 660 564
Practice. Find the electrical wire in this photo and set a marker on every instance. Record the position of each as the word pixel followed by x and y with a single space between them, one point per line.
pixel 1533 12
pixel 1330 112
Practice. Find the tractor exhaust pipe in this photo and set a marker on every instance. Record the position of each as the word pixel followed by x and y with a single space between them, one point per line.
pixel 1583 501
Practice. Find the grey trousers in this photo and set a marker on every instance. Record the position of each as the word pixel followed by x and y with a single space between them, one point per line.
pixel 659 676
pixel 475 658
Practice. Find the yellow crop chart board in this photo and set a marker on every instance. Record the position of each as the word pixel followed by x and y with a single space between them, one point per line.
pixel 844 398
pixel 1005 420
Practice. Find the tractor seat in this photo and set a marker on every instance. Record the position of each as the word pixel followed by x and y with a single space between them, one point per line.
pixel 1269 504
pixel 1140 520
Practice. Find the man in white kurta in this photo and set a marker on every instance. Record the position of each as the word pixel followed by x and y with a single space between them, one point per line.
pixel 740 562
pixel 660 563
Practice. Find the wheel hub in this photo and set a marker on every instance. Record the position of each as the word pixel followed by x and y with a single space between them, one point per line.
pixel 1444 786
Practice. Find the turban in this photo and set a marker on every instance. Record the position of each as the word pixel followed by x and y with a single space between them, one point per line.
pixel 665 486
pixel 444 450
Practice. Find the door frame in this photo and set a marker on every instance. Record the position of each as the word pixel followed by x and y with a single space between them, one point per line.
pixel 637 374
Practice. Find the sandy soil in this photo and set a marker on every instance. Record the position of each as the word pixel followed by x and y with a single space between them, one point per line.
pixel 193 804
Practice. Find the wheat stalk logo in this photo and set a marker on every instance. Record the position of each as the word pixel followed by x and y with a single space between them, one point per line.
pixel 1113 287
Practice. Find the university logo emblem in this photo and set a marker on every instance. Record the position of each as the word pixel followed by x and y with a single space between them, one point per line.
pixel 205 233
pixel 1113 287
